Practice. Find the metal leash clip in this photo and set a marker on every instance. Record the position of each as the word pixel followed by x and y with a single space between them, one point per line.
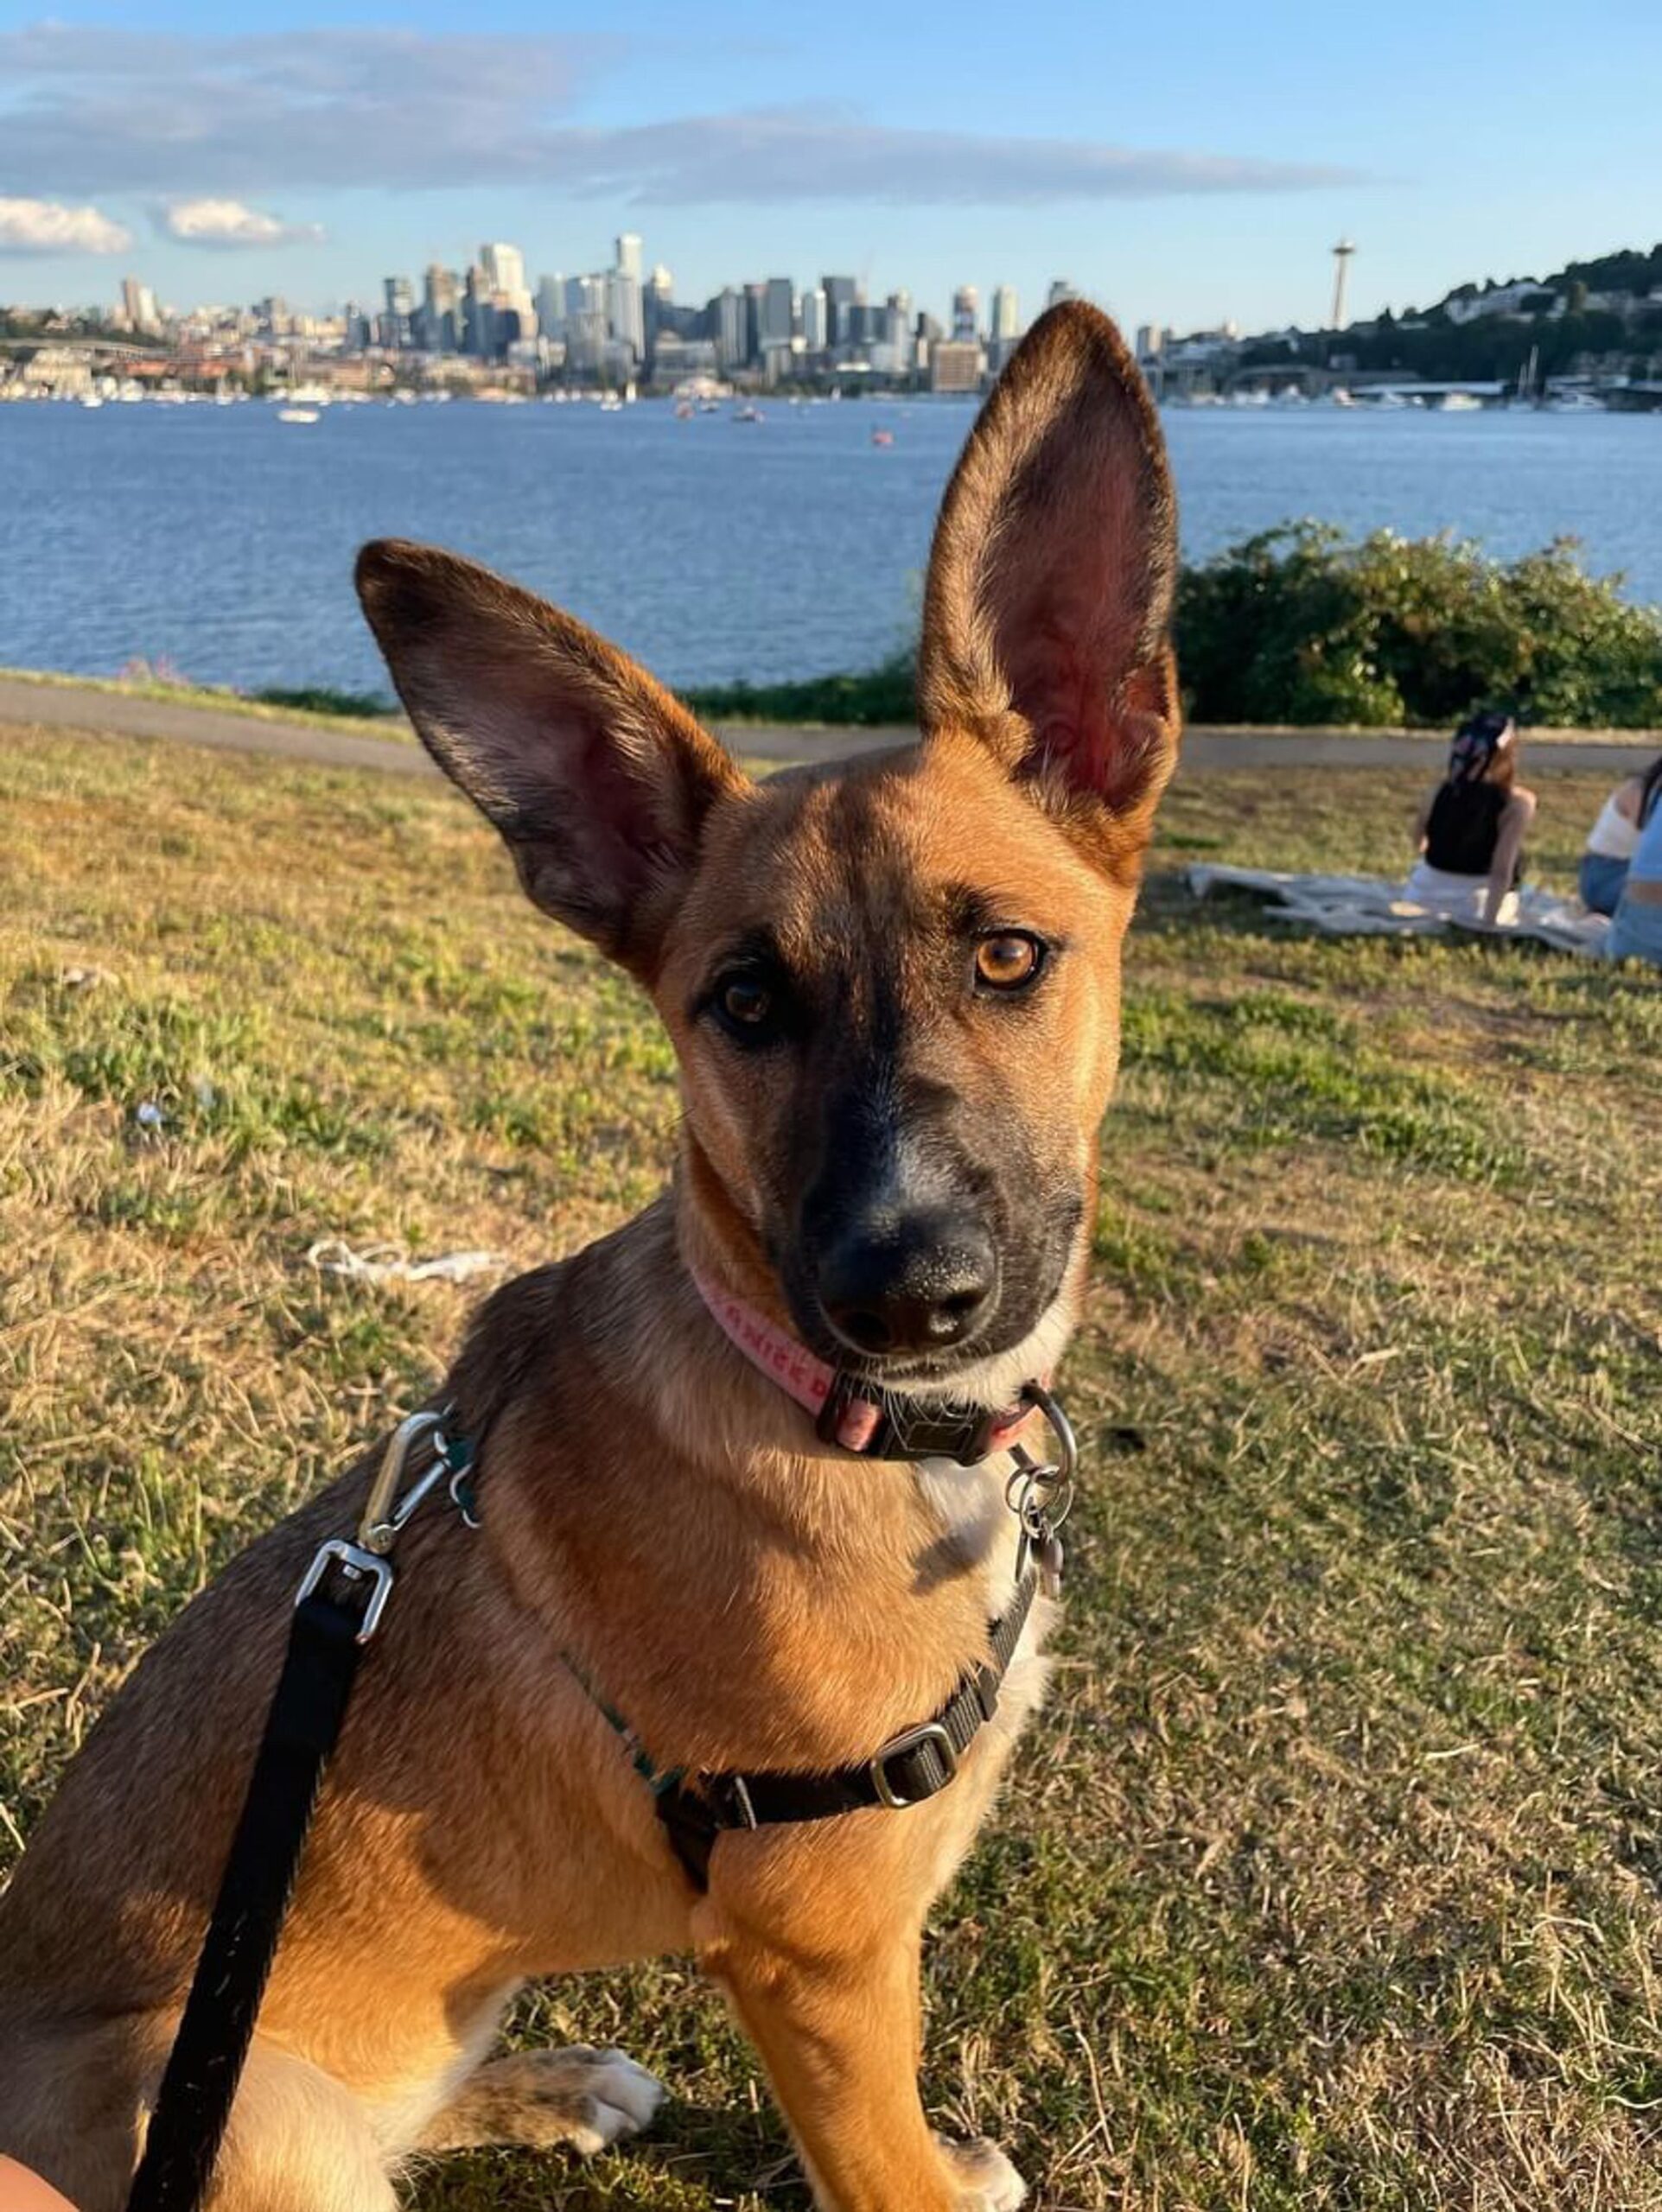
pixel 1041 1495
pixel 365 1566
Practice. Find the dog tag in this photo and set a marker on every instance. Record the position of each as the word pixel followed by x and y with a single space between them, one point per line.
pixel 1049 1557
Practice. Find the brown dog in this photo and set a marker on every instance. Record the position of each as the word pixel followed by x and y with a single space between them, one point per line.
pixel 893 992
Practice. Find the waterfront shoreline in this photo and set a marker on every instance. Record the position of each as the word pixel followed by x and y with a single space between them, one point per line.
pixel 223 544
pixel 222 720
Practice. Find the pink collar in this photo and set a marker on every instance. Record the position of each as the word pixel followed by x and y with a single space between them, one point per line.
pixel 862 1423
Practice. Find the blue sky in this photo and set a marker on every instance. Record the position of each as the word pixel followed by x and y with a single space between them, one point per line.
pixel 1182 163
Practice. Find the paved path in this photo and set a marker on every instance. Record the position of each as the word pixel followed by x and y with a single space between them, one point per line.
pixel 114 713
pixel 69 706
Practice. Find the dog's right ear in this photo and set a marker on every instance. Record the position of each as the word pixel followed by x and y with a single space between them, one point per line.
pixel 598 780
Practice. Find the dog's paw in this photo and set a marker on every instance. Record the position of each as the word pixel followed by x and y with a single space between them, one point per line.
pixel 985 2175
pixel 581 2098
pixel 611 2096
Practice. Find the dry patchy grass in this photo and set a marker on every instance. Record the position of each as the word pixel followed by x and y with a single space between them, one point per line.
pixel 1330 1880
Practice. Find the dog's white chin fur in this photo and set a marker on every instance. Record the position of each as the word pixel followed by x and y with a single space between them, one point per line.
pixel 997 1380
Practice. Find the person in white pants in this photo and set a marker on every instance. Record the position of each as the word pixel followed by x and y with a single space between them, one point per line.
pixel 1470 834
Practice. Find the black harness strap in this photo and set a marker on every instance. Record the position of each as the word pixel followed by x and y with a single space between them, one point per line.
pixel 202 2075
pixel 915 1766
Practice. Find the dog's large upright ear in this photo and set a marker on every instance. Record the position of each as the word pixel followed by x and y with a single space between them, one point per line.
pixel 598 780
pixel 1050 583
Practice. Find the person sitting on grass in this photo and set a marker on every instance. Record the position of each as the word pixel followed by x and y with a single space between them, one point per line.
pixel 1470 834
pixel 1611 841
pixel 1636 927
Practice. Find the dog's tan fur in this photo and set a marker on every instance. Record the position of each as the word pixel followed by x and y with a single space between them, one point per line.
pixel 653 1507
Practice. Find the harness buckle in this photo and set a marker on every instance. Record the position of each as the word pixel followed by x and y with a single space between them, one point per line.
pixel 897 1747
pixel 356 1565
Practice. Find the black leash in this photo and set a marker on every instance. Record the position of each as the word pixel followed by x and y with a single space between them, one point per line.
pixel 337 1610
pixel 207 2062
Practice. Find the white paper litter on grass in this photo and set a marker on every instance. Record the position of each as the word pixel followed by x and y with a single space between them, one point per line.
pixel 333 1256
pixel 1369 905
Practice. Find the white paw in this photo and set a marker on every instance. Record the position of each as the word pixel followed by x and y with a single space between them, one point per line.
pixel 620 2100
pixel 990 2182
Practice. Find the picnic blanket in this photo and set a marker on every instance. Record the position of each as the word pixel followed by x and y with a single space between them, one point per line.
pixel 1369 905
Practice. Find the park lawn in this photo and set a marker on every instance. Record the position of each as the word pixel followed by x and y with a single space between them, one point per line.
pixel 1330 1878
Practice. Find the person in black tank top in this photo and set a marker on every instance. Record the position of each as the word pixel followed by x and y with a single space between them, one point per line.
pixel 1472 828
pixel 1464 829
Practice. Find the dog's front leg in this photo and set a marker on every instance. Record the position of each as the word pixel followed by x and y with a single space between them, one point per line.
pixel 835 2012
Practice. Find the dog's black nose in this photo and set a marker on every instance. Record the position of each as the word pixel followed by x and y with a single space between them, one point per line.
pixel 917 1285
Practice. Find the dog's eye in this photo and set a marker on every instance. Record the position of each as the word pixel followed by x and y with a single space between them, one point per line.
pixel 1008 961
pixel 745 1004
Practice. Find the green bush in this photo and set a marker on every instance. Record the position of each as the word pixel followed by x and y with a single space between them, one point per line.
pixel 1301 624
pixel 871 697
pixel 320 699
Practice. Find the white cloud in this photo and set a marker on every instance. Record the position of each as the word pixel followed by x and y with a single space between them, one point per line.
pixel 814 153
pixel 45 226
pixel 229 223
pixel 95 110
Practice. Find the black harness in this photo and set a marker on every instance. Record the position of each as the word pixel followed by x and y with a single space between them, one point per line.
pixel 910 1768
pixel 338 1610
pixel 919 1762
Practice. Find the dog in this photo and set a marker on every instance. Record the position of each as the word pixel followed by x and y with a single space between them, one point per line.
pixel 892 990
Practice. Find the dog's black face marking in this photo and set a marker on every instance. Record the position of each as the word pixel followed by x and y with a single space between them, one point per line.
pixel 917 1232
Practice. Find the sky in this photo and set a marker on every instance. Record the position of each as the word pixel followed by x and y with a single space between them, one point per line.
pixel 1182 164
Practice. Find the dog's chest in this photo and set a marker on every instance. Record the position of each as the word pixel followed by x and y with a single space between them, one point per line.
pixel 969 1505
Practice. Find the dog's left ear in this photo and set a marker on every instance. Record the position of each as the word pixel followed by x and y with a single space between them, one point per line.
pixel 598 780
pixel 1046 617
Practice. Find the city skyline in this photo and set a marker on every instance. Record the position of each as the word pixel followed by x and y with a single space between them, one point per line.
pixel 545 296
pixel 1183 172
pixel 999 310
pixel 617 323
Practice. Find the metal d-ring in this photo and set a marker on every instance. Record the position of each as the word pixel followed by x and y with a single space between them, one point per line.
pixel 1041 1496
pixel 1060 1426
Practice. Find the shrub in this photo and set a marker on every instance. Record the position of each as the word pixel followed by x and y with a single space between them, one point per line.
pixel 871 697
pixel 321 699
pixel 1301 624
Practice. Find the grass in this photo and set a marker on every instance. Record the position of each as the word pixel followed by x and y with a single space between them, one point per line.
pixel 1330 1880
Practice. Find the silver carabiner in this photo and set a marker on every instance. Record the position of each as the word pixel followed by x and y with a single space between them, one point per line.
pixel 1040 1493
pixel 1041 1496
pixel 385 1513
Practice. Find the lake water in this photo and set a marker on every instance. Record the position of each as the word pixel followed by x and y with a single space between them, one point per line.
pixel 222 539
